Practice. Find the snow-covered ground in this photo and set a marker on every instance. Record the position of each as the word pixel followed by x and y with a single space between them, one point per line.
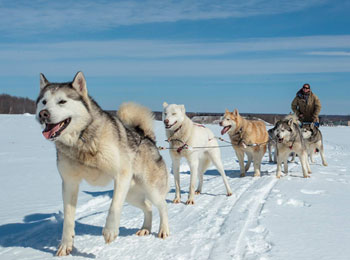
pixel 266 218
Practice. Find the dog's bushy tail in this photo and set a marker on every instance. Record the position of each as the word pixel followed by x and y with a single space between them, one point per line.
pixel 138 117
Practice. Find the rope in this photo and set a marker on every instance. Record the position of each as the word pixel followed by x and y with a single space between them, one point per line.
pixel 187 147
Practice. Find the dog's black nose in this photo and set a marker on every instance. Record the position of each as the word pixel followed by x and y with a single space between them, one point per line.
pixel 220 123
pixel 44 114
pixel 166 121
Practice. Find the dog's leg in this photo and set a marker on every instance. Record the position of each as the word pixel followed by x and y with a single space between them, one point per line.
pixel 322 155
pixel 200 182
pixel 215 158
pixel 311 153
pixel 203 166
pixel 249 162
pixel 138 199
pixel 121 187
pixel 194 162
pixel 308 166
pixel 281 157
pixel 275 154
pixel 285 165
pixel 304 163
pixel 240 156
pixel 158 200
pixel 293 157
pixel 269 147
pixel 176 173
pixel 258 155
pixel 70 190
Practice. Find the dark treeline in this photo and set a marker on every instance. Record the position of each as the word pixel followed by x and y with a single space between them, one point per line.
pixel 269 118
pixel 16 105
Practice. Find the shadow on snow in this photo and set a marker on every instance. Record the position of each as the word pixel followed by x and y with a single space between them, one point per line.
pixel 43 232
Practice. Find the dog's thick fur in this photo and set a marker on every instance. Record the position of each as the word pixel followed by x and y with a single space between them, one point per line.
pixel 181 133
pixel 247 137
pixel 289 139
pixel 272 145
pixel 314 141
pixel 93 145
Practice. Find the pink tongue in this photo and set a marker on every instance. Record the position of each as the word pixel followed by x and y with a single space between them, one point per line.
pixel 224 130
pixel 50 133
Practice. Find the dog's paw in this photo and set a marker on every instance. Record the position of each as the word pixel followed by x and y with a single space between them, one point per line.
pixel 325 164
pixel 176 200
pixel 242 175
pixel 109 234
pixel 257 174
pixel 197 192
pixel 278 175
pixel 64 249
pixel 143 232
pixel 306 176
pixel 229 194
pixel 190 202
pixel 163 233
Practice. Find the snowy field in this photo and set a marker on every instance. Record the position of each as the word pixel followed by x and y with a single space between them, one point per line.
pixel 266 218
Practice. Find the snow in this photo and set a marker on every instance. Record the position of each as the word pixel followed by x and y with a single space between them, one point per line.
pixel 265 218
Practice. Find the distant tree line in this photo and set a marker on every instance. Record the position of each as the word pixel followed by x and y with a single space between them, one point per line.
pixel 16 105
pixel 214 118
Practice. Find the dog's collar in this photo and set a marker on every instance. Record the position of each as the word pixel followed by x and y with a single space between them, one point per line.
pixel 81 135
pixel 291 146
pixel 177 129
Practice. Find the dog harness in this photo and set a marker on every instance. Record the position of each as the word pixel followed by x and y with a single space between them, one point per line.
pixel 185 145
pixel 237 138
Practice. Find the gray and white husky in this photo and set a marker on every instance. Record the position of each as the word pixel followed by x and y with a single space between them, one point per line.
pixel 314 141
pixel 182 134
pixel 93 145
pixel 289 139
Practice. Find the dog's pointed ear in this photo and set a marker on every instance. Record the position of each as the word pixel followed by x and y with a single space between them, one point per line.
pixel 79 84
pixel 227 111
pixel 165 104
pixel 182 107
pixel 312 125
pixel 290 122
pixel 43 81
pixel 235 112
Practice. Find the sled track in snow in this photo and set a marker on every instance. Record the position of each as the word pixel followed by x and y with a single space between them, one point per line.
pixel 246 211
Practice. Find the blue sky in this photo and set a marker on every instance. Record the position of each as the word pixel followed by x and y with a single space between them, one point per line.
pixel 209 55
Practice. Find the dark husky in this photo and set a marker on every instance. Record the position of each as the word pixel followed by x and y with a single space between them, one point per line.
pixel 289 139
pixel 314 141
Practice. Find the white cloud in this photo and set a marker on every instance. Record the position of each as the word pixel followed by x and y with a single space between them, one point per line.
pixel 150 49
pixel 174 58
pixel 46 16
pixel 329 53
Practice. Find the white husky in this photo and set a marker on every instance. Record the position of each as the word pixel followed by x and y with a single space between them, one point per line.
pixel 182 134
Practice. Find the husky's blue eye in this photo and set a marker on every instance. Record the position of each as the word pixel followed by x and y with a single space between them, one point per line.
pixel 44 102
pixel 62 102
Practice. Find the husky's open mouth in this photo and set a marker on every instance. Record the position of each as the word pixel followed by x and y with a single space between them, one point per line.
pixel 225 129
pixel 170 126
pixel 54 130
